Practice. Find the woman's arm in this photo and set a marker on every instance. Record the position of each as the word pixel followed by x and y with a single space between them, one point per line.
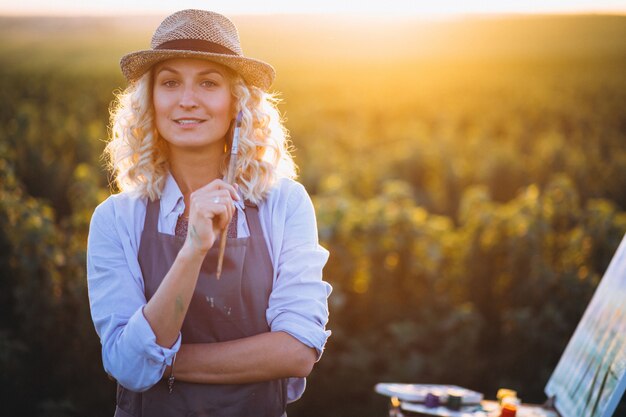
pixel 263 357
pixel 168 307
pixel 297 311
pixel 138 339
pixel 130 353
pixel 298 304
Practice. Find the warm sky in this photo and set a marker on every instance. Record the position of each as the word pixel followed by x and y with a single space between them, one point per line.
pixel 389 7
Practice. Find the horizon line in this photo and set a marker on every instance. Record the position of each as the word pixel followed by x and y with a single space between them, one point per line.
pixel 446 15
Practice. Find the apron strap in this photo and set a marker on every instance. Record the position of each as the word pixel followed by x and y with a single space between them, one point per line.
pixel 151 221
pixel 252 218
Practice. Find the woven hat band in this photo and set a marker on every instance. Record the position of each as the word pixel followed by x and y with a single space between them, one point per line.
pixel 196 45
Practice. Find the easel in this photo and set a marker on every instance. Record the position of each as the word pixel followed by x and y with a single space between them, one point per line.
pixel 590 378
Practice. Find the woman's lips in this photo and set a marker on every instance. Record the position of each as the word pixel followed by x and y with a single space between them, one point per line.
pixel 188 121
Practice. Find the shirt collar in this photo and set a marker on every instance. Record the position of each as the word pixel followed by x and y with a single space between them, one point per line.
pixel 171 196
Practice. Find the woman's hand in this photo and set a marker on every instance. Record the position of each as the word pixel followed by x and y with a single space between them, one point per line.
pixel 211 210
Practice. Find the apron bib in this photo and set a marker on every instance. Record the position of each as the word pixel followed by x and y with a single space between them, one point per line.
pixel 230 308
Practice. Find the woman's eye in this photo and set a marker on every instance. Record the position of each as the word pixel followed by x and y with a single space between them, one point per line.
pixel 170 83
pixel 208 83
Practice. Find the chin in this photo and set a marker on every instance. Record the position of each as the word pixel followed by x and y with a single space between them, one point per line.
pixel 197 145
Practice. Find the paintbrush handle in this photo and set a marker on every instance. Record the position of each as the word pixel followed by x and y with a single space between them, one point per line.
pixel 230 178
pixel 220 259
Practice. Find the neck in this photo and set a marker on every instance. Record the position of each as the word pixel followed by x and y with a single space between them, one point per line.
pixel 193 168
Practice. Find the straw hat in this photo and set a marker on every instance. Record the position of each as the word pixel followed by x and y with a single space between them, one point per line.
pixel 198 34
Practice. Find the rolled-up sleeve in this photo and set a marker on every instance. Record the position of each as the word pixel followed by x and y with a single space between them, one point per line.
pixel 298 304
pixel 129 350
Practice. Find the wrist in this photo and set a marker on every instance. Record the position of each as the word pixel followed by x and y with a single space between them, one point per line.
pixel 191 252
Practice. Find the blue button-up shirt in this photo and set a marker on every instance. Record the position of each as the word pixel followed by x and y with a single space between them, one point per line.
pixel 297 305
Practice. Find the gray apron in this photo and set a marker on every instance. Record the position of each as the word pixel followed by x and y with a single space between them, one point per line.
pixel 230 308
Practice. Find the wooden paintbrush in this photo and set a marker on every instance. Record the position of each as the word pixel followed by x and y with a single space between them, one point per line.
pixel 230 178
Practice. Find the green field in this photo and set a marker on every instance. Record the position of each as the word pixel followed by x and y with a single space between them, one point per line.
pixel 469 178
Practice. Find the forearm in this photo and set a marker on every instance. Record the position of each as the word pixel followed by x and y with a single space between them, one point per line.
pixel 166 310
pixel 262 357
pixel 210 211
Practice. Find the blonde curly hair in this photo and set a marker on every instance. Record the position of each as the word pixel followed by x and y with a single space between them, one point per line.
pixel 138 156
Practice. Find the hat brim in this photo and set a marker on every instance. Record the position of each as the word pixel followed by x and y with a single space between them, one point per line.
pixel 253 71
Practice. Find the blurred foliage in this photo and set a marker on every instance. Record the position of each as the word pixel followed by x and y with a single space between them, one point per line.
pixel 469 184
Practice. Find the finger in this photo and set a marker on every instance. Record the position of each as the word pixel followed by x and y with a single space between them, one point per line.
pixel 225 195
pixel 221 197
pixel 220 184
pixel 204 202
pixel 226 198
pixel 221 215
pixel 231 191
pixel 230 207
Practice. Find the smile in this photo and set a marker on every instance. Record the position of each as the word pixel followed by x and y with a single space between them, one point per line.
pixel 188 121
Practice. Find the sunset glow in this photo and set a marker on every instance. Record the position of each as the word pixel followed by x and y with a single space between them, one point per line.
pixel 394 7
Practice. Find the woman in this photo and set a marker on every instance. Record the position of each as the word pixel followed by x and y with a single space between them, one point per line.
pixel 178 340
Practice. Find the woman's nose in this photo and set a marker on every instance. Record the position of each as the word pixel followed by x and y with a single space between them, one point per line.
pixel 188 98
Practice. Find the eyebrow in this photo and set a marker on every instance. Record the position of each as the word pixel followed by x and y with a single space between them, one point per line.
pixel 204 72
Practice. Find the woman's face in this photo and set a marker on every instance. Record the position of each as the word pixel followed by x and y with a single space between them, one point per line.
pixel 192 103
